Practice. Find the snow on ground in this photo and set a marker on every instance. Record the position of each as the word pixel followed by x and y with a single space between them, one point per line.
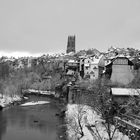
pixel 87 117
pixel 6 100
pixel 35 103
pixel 39 92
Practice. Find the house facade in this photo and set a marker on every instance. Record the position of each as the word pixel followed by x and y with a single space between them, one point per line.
pixel 92 66
pixel 122 70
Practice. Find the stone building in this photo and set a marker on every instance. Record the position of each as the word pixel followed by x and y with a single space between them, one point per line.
pixel 71 44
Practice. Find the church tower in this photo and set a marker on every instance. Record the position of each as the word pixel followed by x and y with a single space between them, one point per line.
pixel 71 44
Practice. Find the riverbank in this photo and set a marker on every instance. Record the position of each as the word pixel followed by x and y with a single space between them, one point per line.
pixel 6 100
pixel 38 118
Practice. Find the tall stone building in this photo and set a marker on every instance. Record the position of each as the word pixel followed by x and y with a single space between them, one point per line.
pixel 71 44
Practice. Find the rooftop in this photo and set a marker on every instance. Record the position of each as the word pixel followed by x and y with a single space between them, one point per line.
pixel 125 91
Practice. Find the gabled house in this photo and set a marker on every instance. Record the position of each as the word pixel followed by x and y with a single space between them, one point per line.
pixel 92 66
pixel 87 64
pixel 120 70
pixel 97 67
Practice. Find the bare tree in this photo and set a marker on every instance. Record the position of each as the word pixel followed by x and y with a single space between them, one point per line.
pixel 76 121
pixel 106 107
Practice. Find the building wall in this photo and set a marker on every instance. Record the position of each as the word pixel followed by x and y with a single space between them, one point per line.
pixel 87 69
pixel 81 96
pixel 81 68
pixel 95 69
pixel 120 99
pixel 122 74
pixel 91 66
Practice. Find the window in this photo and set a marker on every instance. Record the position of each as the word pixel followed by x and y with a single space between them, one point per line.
pixel 86 68
pixel 94 67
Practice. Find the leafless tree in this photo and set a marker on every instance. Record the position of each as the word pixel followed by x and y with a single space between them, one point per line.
pixel 107 108
pixel 76 121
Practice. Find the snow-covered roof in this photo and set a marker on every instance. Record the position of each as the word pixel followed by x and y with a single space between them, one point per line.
pixel 83 56
pixel 87 65
pixel 96 60
pixel 125 91
pixel 120 55
pixel 72 61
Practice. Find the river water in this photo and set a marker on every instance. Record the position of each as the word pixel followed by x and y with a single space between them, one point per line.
pixel 38 122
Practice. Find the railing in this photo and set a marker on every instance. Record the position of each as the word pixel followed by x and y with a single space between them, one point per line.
pixel 127 127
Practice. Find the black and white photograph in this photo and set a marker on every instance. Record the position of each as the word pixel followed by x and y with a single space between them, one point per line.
pixel 69 69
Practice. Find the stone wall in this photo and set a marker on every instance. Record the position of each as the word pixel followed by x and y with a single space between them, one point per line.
pixel 81 96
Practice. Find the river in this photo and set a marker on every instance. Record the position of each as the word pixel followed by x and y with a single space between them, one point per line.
pixel 38 122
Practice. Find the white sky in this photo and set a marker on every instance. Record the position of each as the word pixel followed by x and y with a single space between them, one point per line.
pixel 41 26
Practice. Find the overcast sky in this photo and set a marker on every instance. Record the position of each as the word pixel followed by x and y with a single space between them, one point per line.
pixel 41 26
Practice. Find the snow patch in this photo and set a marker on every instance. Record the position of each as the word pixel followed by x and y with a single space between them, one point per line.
pixel 35 103
pixel 6 99
pixel 39 92
pixel 88 117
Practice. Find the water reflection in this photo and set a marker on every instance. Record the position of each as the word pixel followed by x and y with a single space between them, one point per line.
pixel 2 125
pixel 31 123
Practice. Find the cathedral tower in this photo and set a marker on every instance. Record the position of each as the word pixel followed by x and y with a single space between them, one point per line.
pixel 71 44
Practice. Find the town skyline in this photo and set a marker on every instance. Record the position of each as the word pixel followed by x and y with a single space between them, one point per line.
pixel 18 54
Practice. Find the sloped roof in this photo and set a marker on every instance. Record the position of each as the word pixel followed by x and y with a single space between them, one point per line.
pixel 72 61
pixel 125 92
pixel 99 61
pixel 123 57
pixel 87 65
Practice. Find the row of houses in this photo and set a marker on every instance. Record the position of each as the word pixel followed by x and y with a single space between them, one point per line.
pixel 119 69
pixel 116 64
pixel 20 62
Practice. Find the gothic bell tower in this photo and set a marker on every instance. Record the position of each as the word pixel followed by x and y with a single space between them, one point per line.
pixel 71 44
